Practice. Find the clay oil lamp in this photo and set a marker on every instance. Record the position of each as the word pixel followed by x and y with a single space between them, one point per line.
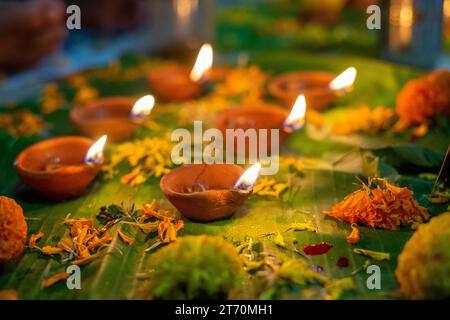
pixel 258 118
pixel 208 192
pixel 60 168
pixel 320 88
pixel 179 83
pixel 118 117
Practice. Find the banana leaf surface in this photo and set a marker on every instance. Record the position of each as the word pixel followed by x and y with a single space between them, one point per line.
pixel 114 275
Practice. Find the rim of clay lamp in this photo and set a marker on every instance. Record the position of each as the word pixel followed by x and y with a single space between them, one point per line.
pixel 269 110
pixel 165 187
pixel 238 111
pixel 80 114
pixel 54 142
pixel 163 71
pixel 180 90
pixel 218 202
pixel 315 88
pixel 110 115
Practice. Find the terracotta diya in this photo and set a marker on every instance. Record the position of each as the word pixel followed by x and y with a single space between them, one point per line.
pixel 178 83
pixel 320 88
pixel 208 192
pixel 263 117
pixel 60 168
pixel 117 117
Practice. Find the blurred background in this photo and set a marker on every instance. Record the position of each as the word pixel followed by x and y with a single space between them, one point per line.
pixel 36 45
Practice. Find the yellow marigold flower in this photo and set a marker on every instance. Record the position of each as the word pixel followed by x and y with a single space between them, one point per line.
pixel 52 99
pixel 85 94
pixel 269 187
pixel 148 157
pixel 364 120
pixel 22 123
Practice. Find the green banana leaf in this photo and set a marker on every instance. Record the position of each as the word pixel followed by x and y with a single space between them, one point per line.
pixel 281 25
pixel 116 274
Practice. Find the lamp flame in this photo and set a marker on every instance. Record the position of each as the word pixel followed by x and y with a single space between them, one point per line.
pixel 95 152
pixel 203 63
pixel 248 178
pixel 296 118
pixel 143 107
pixel 344 81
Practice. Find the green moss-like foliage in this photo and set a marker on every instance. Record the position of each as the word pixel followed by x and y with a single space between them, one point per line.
pixel 195 267
pixel 423 269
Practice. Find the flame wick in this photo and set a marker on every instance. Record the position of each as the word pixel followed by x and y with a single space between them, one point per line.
pixel 248 178
pixel 203 63
pixel 95 152
pixel 296 118
pixel 143 107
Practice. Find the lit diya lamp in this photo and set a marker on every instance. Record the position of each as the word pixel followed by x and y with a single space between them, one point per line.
pixel 208 192
pixel 118 117
pixel 60 168
pixel 262 117
pixel 178 83
pixel 320 88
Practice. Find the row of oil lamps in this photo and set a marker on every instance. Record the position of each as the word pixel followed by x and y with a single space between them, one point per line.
pixel 63 167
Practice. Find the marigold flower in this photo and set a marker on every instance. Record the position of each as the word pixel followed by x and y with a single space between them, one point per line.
pixel 13 229
pixel 380 205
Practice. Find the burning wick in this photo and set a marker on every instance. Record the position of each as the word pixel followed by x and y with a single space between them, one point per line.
pixel 95 152
pixel 203 63
pixel 248 178
pixel 296 118
pixel 344 81
pixel 143 107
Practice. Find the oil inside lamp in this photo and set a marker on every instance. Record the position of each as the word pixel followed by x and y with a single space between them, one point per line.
pixel 95 152
pixel 176 82
pixel 208 192
pixel 314 85
pixel 203 63
pixel 60 168
pixel 270 118
pixel 343 82
pixel 114 116
pixel 248 178
pixel 143 107
pixel 296 118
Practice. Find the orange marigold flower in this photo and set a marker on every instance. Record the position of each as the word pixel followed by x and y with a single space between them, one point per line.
pixel 54 279
pixel 13 229
pixel 422 99
pixel 102 241
pixel 35 238
pixel 50 251
pixel 380 205
pixel 9 294
pixel 354 236
pixel 128 240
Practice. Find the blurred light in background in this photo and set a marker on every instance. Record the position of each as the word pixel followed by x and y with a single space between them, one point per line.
pixel 401 17
pixel 184 10
pixel 412 31
pixel 179 27
pixel 447 16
